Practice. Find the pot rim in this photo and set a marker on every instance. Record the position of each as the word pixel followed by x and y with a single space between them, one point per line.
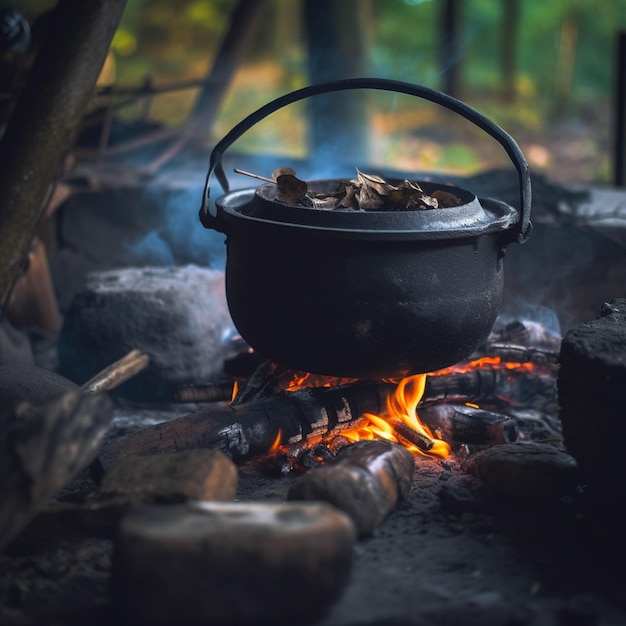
pixel 245 208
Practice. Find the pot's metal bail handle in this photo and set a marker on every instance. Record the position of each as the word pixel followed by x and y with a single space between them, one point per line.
pixel 524 225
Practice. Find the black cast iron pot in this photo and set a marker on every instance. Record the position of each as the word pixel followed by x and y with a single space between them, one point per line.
pixel 365 294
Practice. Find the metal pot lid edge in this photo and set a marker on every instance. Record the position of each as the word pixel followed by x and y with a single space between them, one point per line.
pixel 494 216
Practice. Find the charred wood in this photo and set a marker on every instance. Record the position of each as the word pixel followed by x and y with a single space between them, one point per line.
pixel 458 423
pixel 213 392
pixel 255 421
pixel 245 430
pixel 494 388
pixel 512 353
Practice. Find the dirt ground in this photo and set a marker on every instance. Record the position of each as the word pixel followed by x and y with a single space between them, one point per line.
pixel 452 555
pixel 449 555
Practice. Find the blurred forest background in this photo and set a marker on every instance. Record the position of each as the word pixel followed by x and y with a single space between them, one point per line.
pixel 544 70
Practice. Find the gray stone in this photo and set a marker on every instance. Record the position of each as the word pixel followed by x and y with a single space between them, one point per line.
pixel 525 472
pixel 178 316
pixel 200 474
pixel 231 563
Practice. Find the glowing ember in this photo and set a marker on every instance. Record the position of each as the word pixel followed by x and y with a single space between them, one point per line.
pixel 484 362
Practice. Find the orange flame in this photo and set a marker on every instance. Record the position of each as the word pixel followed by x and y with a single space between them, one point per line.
pixel 276 445
pixel 401 423
pixel 402 409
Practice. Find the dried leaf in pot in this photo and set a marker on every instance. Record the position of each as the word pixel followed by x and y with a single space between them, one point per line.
pixel 290 189
pixel 445 198
pixel 283 170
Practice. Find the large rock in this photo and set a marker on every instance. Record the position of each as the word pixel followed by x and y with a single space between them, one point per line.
pixel 178 316
pixel 592 409
pixel 231 563
pixel 592 404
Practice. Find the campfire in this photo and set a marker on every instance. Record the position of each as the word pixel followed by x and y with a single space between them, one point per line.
pixel 248 483
pixel 453 411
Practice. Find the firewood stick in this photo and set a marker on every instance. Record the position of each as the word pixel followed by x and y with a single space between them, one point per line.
pixel 117 373
pixel 265 178
pixel 404 431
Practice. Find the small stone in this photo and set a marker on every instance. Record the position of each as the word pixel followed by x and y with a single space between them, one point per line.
pixel 524 472
pixel 366 480
pixel 200 474
pixel 231 563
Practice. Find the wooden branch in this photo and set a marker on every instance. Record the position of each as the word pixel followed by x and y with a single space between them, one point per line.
pixel 252 175
pixel 118 372
pixel 242 22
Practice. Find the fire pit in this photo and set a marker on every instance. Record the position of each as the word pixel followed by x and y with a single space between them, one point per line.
pixel 368 294
pixel 487 526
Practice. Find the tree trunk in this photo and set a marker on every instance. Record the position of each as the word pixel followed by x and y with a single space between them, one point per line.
pixel 243 19
pixel 337 42
pixel 450 47
pixel 45 121
pixel 508 57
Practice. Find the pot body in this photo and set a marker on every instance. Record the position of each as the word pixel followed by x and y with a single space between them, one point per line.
pixel 362 308
pixel 365 294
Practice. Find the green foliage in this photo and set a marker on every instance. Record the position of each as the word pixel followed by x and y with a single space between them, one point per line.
pixel 169 39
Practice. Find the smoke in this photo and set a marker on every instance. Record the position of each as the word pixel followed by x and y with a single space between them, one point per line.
pixel 178 237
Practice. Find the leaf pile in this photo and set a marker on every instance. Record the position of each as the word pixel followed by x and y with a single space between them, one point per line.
pixel 365 193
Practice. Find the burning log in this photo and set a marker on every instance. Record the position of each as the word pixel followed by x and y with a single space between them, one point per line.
pixel 245 430
pixel 260 417
pixel 458 423
pixel 494 387
pixel 366 480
